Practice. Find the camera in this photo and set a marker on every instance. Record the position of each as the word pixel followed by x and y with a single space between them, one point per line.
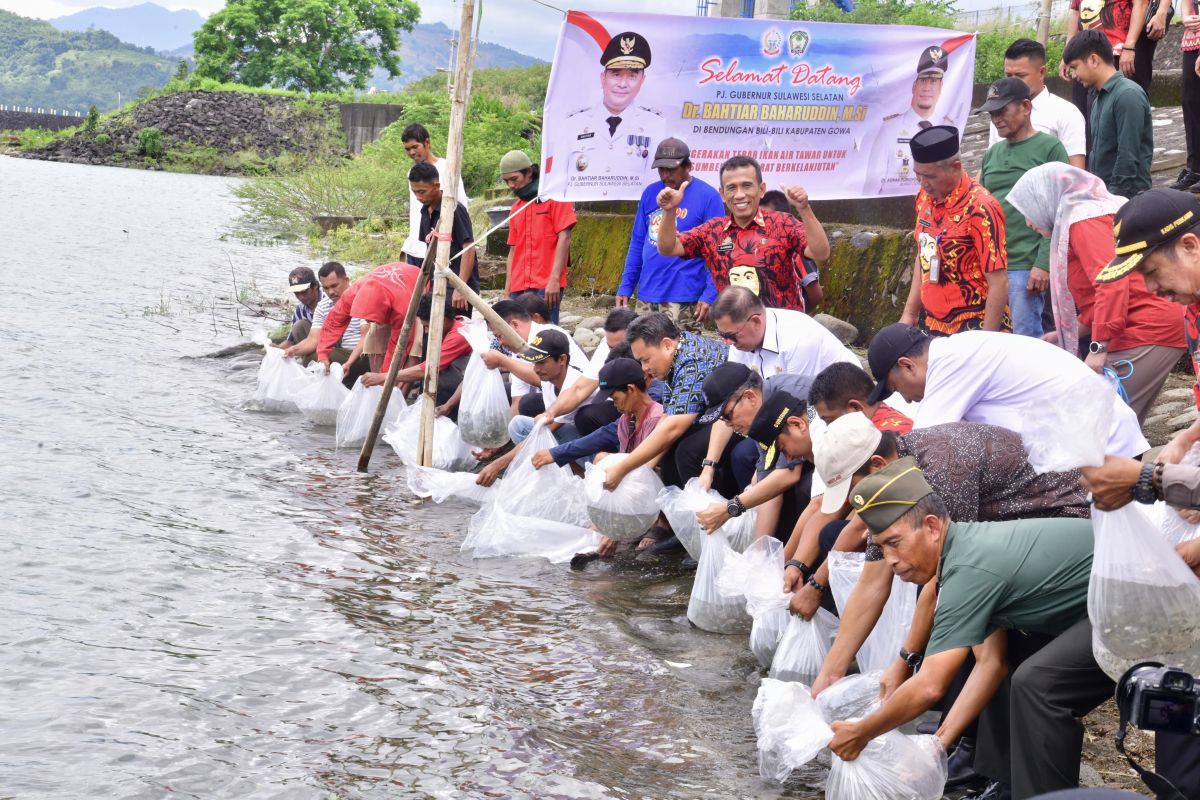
pixel 1157 698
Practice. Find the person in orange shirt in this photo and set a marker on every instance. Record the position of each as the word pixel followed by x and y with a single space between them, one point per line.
pixel 843 388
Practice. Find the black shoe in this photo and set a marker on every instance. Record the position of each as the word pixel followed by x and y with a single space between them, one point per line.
pixel 993 791
pixel 1186 180
pixel 687 562
pixel 669 545
pixel 960 768
pixel 927 728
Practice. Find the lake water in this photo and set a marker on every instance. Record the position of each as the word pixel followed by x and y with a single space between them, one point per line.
pixel 203 601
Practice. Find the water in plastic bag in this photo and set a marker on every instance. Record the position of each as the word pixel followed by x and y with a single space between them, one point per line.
pixel 708 609
pixel 494 532
pixel 803 648
pixel 357 411
pixel 279 381
pixel 484 410
pixel 320 400
pixel 1060 437
pixel 1142 597
pixel 439 485
pixel 892 767
pixel 789 728
pixel 628 512
pixel 887 637
pixel 1175 529
pixel 852 697
pixel 450 452
pixel 680 507
pixel 757 575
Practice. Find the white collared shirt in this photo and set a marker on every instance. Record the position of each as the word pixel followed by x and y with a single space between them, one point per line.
pixel 795 343
pixel 579 359
pixel 1057 117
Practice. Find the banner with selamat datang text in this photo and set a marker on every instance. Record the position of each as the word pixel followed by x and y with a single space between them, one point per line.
pixel 826 106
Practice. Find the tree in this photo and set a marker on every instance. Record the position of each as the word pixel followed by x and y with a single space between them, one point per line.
pixel 308 45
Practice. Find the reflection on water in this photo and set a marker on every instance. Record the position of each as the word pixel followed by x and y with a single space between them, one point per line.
pixel 203 601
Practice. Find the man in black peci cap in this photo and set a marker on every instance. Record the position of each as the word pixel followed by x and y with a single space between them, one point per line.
pixel 959 278
pixel 1021 148
pixel 890 169
pixel 609 143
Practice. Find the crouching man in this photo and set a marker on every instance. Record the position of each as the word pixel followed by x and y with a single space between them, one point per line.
pixel 1014 593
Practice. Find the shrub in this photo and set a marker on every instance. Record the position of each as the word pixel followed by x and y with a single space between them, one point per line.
pixel 103 139
pixel 93 119
pixel 150 142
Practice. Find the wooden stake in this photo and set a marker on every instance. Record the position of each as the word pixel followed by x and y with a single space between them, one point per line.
pixel 398 356
pixel 458 113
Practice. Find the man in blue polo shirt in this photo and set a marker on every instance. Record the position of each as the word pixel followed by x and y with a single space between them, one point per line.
pixel 682 288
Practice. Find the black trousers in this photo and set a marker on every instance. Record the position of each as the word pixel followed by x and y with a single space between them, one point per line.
pixel 683 461
pixel 1191 110
pixel 594 416
pixel 1031 734
pixel 532 404
pixel 449 380
pixel 1177 758
pixel 1083 98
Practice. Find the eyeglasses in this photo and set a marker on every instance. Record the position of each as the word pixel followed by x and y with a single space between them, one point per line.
pixel 727 414
pixel 731 336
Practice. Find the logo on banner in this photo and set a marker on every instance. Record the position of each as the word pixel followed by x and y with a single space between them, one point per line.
pixel 772 42
pixel 798 42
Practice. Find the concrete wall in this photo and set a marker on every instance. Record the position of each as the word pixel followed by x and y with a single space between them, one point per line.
pixel 20 120
pixel 363 122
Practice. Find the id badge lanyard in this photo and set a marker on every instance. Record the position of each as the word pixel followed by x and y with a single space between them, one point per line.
pixel 935 261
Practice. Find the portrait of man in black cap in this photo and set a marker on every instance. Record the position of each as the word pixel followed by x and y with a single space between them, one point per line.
pixel 890 169
pixel 610 144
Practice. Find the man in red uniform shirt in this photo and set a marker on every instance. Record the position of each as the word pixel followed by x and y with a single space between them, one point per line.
pixel 539 238
pixel 380 297
pixel 752 247
pixel 960 278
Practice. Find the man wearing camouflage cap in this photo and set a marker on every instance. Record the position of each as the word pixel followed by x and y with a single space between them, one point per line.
pixel 610 144
pixel 1012 593
pixel 890 169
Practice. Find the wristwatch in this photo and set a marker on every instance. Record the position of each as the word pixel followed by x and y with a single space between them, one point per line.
pixel 1143 490
pixel 734 507
pixel 805 569
pixel 708 462
pixel 1097 347
pixel 912 659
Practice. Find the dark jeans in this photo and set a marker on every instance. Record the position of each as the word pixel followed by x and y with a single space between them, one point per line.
pixel 1030 734
pixel 449 380
pixel 595 416
pixel 1177 758
pixel 1191 110
pixel 530 405
pixel 542 293
pixel 683 461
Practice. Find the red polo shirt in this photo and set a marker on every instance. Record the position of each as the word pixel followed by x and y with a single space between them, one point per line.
pixel 533 237
pixel 761 256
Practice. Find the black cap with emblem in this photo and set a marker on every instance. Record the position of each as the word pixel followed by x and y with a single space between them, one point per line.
pixel 627 50
pixel 1149 220
pixel 933 61
pixel 770 421
pixel 933 144
pixel 1003 92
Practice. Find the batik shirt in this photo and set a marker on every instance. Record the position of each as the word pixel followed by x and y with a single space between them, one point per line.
pixel 761 257
pixel 964 235
pixel 695 358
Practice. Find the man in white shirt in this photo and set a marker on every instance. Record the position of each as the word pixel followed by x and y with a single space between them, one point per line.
pixel 525 386
pixel 1025 59
pixel 549 353
pixel 772 341
pixel 416 143
pixel 989 377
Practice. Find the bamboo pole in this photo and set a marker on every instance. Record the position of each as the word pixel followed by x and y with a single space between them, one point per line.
pixel 398 356
pixel 458 112
pixel 1043 22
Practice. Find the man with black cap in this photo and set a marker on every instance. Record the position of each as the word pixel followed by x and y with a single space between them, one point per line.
pixel 682 288
pixel 302 283
pixel 1015 595
pixel 609 143
pixel 780 490
pixel 1021 148
pixel 890 169
pixel 959 277
pixel 550 353
pixel 981 376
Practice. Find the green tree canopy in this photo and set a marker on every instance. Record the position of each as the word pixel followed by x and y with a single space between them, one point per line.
pixel 306 45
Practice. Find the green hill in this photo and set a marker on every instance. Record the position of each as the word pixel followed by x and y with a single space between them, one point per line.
pixel 41 66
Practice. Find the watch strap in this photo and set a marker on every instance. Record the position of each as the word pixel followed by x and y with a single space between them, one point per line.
pixel 805 569
pixel 1143 490
pixel 708 462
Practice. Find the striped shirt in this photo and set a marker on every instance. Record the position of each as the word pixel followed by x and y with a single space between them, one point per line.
pixel 353 330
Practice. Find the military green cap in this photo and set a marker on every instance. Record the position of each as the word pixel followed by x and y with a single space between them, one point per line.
pixel 884 497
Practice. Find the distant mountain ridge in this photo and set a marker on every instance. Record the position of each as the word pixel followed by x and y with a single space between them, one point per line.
pixel 146 25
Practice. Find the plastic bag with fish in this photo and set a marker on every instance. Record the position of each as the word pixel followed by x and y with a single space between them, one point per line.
pixel 1060 437
pixel 757 575
pixel 280 379
pixel 357 411
pixel 439 485
pixel 484 411
pixel 708 609
pixel 628 512
pixel 887 637
pixel 803 648
pixel 789 728
pixel 891 767
pixel 320 400
pixel 450 452
pixel 680 507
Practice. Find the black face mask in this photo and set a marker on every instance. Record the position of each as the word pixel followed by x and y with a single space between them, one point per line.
pixel 529 191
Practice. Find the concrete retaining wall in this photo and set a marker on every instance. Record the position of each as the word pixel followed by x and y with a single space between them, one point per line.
pixel 20 120
pixel 363 122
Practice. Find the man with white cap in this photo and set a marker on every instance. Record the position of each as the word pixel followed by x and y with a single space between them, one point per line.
pixel 302 283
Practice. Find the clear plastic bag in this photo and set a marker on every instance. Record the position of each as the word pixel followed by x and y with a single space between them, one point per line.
pixel 1142 597
pixel 628 512
pixel 279 380
pixel 892 767
pixel 803 648
pixel 484 410
pixel 852 697
pixel 708 609
pixel 757 575
pixel 320 400
pixel 680 507
pixel 439 485
pixel 789 727
pixel 1060 437
pixel 494 532
pixel 357 411
pixel 450 452
pixel 1175 529
pixel 887 637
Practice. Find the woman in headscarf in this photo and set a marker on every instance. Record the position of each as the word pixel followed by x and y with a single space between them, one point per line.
pixel 1120 325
